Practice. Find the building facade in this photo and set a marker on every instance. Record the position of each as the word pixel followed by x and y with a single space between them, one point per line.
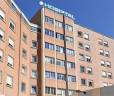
pixel 51 55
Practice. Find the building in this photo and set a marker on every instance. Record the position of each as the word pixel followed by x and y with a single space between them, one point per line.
pixel 51 55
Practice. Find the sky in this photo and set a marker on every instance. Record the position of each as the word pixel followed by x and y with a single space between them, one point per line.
pixel 97 15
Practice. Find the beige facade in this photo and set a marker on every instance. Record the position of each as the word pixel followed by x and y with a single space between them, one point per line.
pixel 55 59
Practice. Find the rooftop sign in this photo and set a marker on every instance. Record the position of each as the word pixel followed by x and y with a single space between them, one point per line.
pixel 57 10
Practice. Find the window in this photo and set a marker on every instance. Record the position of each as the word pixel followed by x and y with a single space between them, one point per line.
pixel 70 52
pixel 34 74
pixel 24 38
pixel 49 60
pixel 34 59
pixel 50 75
pixel 33 90
pixel 71 78
pixel 83 82
pixel 11 43
pixel 71 92
pixel 90 83
pixel 23 87
pixel 60 62
pixel 87 47
pixel 60 92
pixel 59 49
pixel 69 27
pixel 59 36
pixel 106 53
pixel 49 20
pixel 49 46
pixel 60 76
pixel 2 15
pixel 50 90
pixel 81 57
pixel 104 74
pixel 82 69
pixel 110 84
pixel 69 39
pixel 34 44
pixel 10 61
pixel 70 65
pixel 12 25
pixel 86 36
pixel 88 58
pixel 105 84
pixel 1 34
pixel 105 43
pixel 102 63
pixel 108 64
pixel 49 32
pixel 80 34
pixel 59 24
pixel 0 76
pixel 109 75
pixel 100 41
pixel 1 55
pixel 80 45
pixel 34 29
pixel 101 52
pixel 89 70
pixel 24 53
pixel 24 69
pixel 9 81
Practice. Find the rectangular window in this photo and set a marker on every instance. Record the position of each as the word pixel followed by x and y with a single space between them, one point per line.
pixel 101 52
pixel 24 69
pixel 60 62
pixel 49 20
pixel 50 90
pixel 100 41
pixel 10 61
pixel 50 75
pixel 1 34
pixel 70 65
pixel 105 43
pixel 60 76
pixel 60 92
pixel 83 82
pixel 82 69
pixel 86 36
pixel 89 70
pixel 23 87
pixel 109 75
pixel 49 32
pixel 69 39
pixel 70 52
pixel 2 15
pixel 71 78
pixel 34 44
pixel 102 63
pixel 59 49
pixel 1 55
pixel 88 58
pixel 33 90
pixel 80 34
pixel 105 84
pixel 11 43
pixel 24 53
pixel 69 27
pixel 87 47
pixel 34 59
pixel 49 60
pixel 90 83
pixel 107 53
pixel 108 64
pixel 104 74
pixel 9 81
pixel 34 29
pixel 24 38
pixel 81 57
pixel 59 36
pixel 12 25
pixel 59 23
pixel 34 74
pixel 80 45
pixel 49 46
